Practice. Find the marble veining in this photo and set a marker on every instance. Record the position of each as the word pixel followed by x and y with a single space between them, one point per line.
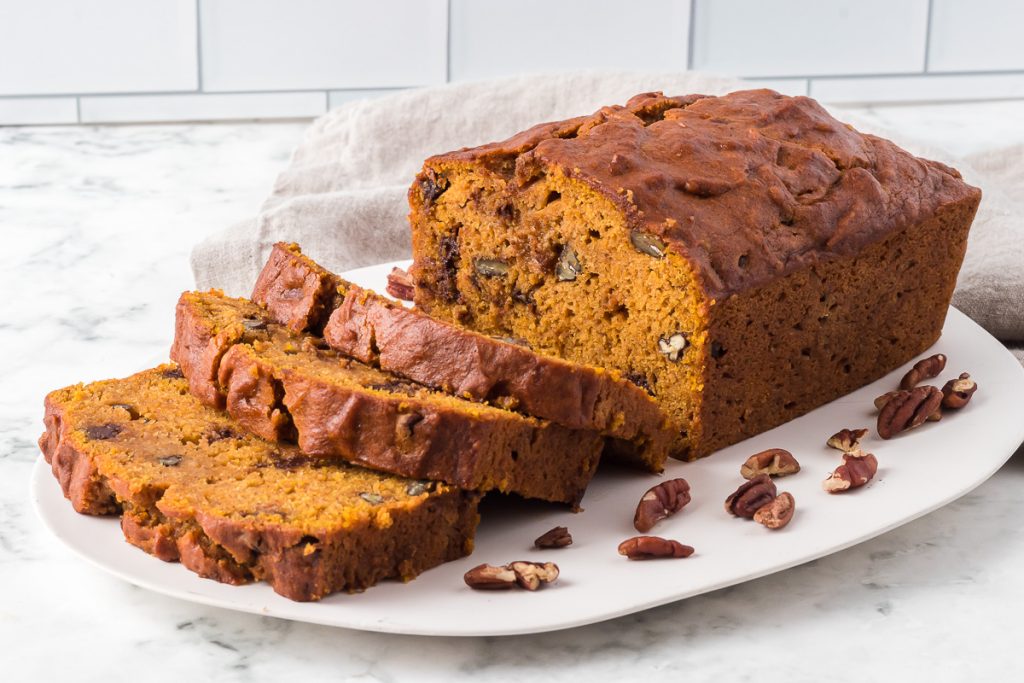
pixel 98 223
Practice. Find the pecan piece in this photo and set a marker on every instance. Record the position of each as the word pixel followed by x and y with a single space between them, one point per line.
pixel 645 243
pixel 908 409
pixel 559 537
pixel 777 513
pixel 846 440
pixel 533 575
pixel 568 265
pixel 923 369
pixel 673 346
pixel 775 462
pixel 400 285
pixel 857 469
pixel 653 547
pixel 432 187
pixel 750 496
pixel 418 488
pixel 659 502
pixel 254 324
pixel 103 432
pixel 488 577
pixel 957 393
pixel 883 399
pixel 490 267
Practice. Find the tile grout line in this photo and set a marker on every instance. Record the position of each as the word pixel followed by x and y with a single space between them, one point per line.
pixel 931 75
pixel 310 117
pixel 691 31
pixel 448 42
pixel 928 36
pixel 193 93
pixel 894 74
pixel 199 49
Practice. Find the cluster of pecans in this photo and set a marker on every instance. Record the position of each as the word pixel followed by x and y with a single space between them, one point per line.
pixel 658 503
pixel 757 498
pixel 522 574
pixel 857 468
pixel 912 405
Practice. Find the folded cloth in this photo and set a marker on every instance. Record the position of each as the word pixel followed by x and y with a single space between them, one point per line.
pixel 343 197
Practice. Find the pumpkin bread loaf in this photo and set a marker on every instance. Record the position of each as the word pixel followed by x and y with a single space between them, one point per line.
pixel 359 323
pixel 284 386
pixel 745 258
pixel 191 486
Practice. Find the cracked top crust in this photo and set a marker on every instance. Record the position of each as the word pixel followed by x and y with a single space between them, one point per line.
pixel 748 187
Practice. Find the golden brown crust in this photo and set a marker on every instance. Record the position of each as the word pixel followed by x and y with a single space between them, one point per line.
pixel 297 291
pixel 234 508
pixel 82 484
pixel 748 187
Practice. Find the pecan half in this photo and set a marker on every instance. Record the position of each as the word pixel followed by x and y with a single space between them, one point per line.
pixel 857 469
pixel 883 399
pixel 653 547
pixel 488 577
pixel 400 285
pixel 923 369
pixel 750 496
pixel 846 440
pixel 659 502
pixel 908 409
pixel 958 392
pixel 559 537
pixel 533 575
pixel 775 462
pixel 777 513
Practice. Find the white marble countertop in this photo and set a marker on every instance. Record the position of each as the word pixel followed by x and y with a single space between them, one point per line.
pixel 98 223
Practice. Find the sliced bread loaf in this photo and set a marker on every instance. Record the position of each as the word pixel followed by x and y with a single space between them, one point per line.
pixel 302 295
pixel 192 486
pixel 286 386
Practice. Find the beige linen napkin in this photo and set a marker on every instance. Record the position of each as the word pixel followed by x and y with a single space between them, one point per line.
pixel 343 195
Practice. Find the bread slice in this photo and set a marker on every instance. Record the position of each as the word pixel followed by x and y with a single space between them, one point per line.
pixel 192 486
pixel 746 257
pixel 285 386
pixel 304 296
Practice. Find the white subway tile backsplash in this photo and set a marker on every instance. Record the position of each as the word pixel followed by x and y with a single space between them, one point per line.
pixel 336 97
pixel 57 47
pixel 501 38
pixel 37 110
pixel 976 35
pixel 202 107
pixel 322 44
pixel 809 37
pixel 63 61
pixel 925 88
